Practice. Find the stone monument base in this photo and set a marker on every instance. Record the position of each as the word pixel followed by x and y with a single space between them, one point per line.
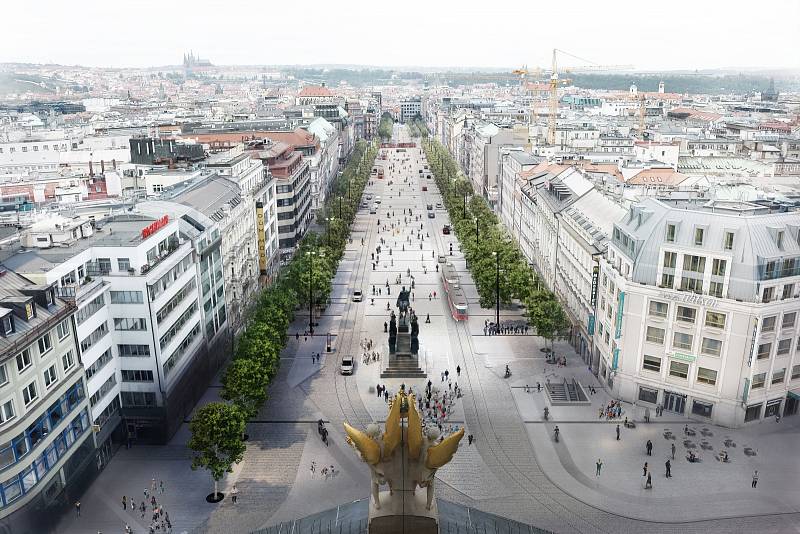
pixel 398 517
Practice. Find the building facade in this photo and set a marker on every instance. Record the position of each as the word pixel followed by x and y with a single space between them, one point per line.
pixel 45 424
pixel 698 305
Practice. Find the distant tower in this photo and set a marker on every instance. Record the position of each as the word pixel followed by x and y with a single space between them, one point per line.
pixel 633 90
pixel 661 87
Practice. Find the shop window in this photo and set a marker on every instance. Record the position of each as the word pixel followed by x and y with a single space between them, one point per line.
pixel 648 395
pixel 753 412
pixel 773 408
pixel 703 409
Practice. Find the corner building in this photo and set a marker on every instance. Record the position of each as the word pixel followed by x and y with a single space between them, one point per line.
pixel 46 443
pixel 697 310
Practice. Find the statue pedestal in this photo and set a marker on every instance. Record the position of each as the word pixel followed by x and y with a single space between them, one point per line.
pixel 403 513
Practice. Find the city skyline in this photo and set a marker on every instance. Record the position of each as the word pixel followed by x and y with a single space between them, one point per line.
pixel 228 38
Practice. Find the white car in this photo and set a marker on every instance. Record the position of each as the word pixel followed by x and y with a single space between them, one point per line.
pixel 346 368
pixel 357 296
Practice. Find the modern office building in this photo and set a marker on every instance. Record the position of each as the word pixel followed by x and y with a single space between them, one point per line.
pixel 150 311
pixel 45 440
pixel 698 310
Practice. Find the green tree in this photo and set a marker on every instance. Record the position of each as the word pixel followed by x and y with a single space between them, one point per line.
pixel 548 318
pixel 245 384
pixel 217 429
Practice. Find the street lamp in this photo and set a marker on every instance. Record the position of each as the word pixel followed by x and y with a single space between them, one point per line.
pixel 497 287
pixel 329 220
pixel 477 233
pixel 465 206
pixel 340 206
pixel 311 255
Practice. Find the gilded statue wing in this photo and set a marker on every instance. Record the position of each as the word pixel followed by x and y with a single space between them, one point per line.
pixel 393 433
pixel 368 447
pixel 441 453
pixel 414 429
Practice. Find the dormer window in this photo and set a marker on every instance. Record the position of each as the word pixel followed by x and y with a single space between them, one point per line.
pixel 50 297
pixel 699 235
pixel 779 240
pixel 727 242
pixel 671 231
pixel 7 324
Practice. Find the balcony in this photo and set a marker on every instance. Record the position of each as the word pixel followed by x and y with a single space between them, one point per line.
pixel 80 292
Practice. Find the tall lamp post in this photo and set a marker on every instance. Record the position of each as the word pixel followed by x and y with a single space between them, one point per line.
pixel 311 255
pixel 340 206
pixel 465 206
pixel 497 287
pixel 329 220
pixel 477 233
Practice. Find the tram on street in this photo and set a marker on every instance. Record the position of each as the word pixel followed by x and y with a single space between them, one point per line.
pixel 458 304
pixel 450 278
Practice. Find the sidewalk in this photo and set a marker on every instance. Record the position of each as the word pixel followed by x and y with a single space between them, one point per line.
pixel 707 490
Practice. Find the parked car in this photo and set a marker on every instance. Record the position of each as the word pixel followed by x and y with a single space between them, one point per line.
pixel 346 368
pixel 424 187
pixel 431 215
pixel 373 210
pixel 446 229
pixel 442 258
pixel 369 197
pixel 358 296
pixel 438 205
pixel 429 207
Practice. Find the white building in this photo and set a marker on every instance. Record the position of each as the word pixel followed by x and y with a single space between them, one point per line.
pixel 51 150
pixel 46 440
pixel 410 108
pixel 698 306
pixel 257 186
pixel 150 315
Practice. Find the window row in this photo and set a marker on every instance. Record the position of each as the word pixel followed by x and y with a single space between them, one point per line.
pixel 94 337
pixel 126 297
pixel 137 375
pixel 686 314
pixel 130 323
pixel 179 323
pixel 679 369
pixel 684 341
pixel 176 299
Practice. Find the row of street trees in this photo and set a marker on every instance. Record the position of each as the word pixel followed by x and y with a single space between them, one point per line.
pixel 488 248
pixel 417 127
pixel 385 127
pixel 218 428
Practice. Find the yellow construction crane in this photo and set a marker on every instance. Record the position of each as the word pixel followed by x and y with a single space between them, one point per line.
pixel 554 83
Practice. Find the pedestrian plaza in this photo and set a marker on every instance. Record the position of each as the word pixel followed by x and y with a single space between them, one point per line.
pixel 514 468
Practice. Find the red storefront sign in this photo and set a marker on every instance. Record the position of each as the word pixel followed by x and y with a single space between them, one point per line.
pixel 155 226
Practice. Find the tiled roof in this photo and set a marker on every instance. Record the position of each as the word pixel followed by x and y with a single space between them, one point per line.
pixel 660 176
pixel 314 90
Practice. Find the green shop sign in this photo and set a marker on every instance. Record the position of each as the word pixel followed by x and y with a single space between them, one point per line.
pixel 684 357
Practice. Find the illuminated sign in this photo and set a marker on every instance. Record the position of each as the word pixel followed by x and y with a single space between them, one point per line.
pixel 155 226
pixel 262 241
pixel 595 276
pixel 620 306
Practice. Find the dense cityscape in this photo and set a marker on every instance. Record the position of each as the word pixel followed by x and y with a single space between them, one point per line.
pixel 208 295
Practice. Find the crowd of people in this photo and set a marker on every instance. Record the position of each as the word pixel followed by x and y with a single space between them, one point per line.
pixel 504 328
pixel 159 517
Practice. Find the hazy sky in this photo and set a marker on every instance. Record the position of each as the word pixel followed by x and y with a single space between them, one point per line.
pixel 649 35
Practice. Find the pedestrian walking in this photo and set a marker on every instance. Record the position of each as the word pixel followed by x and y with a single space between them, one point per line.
pixel 153 485
pixel 644 469
pixel 234 493
pixel 669 467
pixel 649 483
pixel 470 439
pixel 673 451
pixel 599 464
pixel 443 376
pixel 753 485
pixel 458 370
pixel 617 432
pixel 649 447
pixel 313 468
pixel 78 504
pixel 446 373
pixel 124 502
pixel 133 504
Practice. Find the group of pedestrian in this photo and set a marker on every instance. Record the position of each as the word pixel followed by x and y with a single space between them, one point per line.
pixel 315 357
pixel 159 521
pixel 383 392
pixel 503 328
pixel 326 472
pixel 613 410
